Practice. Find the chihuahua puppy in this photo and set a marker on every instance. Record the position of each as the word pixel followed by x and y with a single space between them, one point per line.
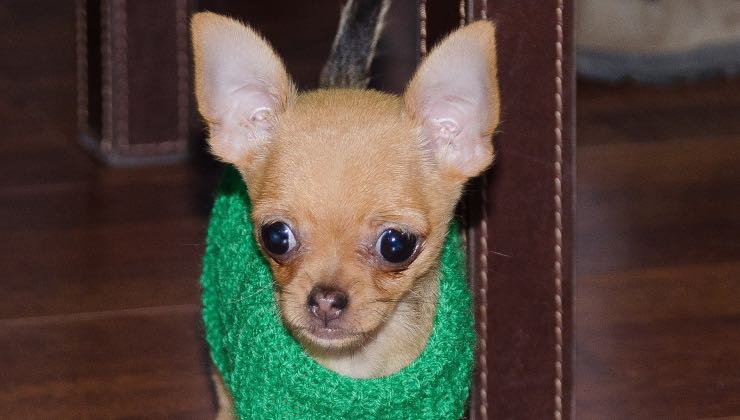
pixel 352 189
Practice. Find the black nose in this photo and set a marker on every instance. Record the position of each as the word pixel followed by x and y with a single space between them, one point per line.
pixel 326 303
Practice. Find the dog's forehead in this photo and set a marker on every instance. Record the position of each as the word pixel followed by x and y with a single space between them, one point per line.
pixel 346 117
pixel 347 134
pixel 347 152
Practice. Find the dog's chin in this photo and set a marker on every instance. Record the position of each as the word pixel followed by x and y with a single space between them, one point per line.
pixel 331 338
pixel 328 338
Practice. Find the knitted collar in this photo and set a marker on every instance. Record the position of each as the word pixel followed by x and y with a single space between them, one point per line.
pixel 267 371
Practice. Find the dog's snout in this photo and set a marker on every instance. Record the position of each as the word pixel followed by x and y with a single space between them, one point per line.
pixel 327 303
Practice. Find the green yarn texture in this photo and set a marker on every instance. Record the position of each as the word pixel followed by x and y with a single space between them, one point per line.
pixel 267 371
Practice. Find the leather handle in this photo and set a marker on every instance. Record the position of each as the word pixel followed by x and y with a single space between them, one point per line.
pixel 519 215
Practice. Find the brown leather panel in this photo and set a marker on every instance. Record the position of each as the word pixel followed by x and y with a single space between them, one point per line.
pixel 89 54
pixel 569 207
pixel 520 206
pixel 152 84
pixel 134 79
pixel 510 214
pixel 397 53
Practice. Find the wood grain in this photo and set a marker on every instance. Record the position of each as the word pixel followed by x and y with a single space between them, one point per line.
pixel 144 363
pixel 658 290
pixel 99 314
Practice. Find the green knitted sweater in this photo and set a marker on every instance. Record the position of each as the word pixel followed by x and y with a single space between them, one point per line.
pixel 267 371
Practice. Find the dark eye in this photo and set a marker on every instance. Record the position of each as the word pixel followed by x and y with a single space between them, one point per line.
pixel 396 246
pixel 277 238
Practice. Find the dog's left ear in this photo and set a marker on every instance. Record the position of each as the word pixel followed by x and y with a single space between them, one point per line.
pixel 454 100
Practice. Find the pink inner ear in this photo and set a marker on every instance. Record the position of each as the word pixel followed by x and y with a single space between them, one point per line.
pixel 252 107
pixel 453 109
pixel 454 99
pixel 243 122
pixel 452 132
pixel 241 84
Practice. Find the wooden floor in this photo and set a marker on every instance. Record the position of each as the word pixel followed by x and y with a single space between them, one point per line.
pixel 98 267
pixel 99 314
pixel 658 231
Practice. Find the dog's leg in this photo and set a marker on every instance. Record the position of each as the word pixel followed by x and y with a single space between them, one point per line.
pixel 225 403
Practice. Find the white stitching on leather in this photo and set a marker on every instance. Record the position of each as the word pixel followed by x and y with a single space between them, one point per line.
pixel 423 27
pixel 183 74
pixel 119 45
pixel 558 236
pixel 120 63
pixel 483 308
pixel 106 142
pixel 461 11
pixel 81 50
pixel 483 339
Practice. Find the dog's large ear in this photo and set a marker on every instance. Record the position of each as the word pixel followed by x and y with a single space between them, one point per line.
pixel 453 98
pixel 241 86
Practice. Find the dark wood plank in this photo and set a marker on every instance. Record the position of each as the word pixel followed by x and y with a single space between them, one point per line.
pixel 676 368
pixel 147 363
pixel 99 297
pixel 658 290
pixel 60 271
pixel 658 294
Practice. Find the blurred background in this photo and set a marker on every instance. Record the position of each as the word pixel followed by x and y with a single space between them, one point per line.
pixel 105 189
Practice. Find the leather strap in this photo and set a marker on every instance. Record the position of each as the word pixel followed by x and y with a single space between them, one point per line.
pixel 519 215
pixel 133 79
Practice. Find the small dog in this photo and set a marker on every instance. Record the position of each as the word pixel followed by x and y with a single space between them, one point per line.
pixel 352 189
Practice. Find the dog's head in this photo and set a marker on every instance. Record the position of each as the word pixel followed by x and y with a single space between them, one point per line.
pixel 352 190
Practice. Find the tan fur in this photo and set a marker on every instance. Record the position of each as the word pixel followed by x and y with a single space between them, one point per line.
pixel 365 172
pixel 340 166
pixel 225 402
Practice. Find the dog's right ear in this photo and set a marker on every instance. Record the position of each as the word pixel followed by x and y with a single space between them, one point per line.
pixel 241 86
pixel 454 100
